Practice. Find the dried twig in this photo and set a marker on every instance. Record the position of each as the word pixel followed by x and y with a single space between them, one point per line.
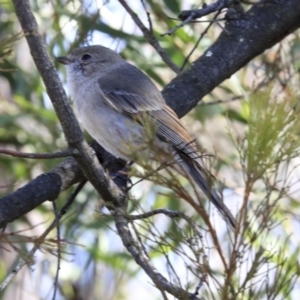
pixel 188 15
pixel 220 101
pixel 148 16
pixel 197 43
pixel 59 154
pixel 148 34
pixel 167 212
pixel 58 249
pixel 141 259
pixel 40 240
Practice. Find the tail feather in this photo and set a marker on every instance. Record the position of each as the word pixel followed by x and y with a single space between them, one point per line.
pixel 204 180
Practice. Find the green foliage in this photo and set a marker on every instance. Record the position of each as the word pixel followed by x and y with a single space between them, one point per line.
pixel 6 45
pixel 273 131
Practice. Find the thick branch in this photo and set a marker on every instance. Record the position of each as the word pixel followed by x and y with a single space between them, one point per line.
pixel 40 239
pixel 48 186
pixel 85 156
pixel 264 25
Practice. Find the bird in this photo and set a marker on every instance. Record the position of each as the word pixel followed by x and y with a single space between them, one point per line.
pixel 117 104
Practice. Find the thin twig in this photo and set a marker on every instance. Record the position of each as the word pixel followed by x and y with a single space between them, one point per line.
pixel 201 21
pixel 167 212
pixel 58 249
pixel 148 16
pixel 186 21
pixel 197 43
pixel 188 15
pixel 141 259
pixel 59 154
pixel 220 101
pixel 200 284
pixel 148 34
pixel 40 240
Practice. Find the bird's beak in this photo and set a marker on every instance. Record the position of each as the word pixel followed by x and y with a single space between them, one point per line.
pixel 64 60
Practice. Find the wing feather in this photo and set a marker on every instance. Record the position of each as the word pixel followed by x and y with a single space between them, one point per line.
pixel 128 96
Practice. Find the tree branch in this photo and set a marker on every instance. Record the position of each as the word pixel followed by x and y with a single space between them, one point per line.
pixel 84 155
pixel 142 260
pixel 48 186
pixel 188 15
pixel 242 40
pixel 52 155
pixel 40 240
pixel 170 213
pixel 206 9
pixel 148 34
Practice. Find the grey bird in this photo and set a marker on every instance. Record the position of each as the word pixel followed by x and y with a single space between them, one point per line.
pixel 117 103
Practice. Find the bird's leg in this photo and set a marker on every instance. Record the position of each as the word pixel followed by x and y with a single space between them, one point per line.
pixel 122 175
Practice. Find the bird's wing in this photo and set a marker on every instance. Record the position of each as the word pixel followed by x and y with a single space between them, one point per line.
pixel 133 94
pixel 145 104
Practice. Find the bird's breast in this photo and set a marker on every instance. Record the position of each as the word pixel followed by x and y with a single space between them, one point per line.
pixel 110 128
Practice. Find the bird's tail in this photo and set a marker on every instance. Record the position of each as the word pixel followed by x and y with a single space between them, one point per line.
pixel 205 181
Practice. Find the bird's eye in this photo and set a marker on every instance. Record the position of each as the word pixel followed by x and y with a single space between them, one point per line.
pixel 85 57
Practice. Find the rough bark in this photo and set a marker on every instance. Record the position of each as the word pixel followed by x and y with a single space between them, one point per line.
pixel 246 36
